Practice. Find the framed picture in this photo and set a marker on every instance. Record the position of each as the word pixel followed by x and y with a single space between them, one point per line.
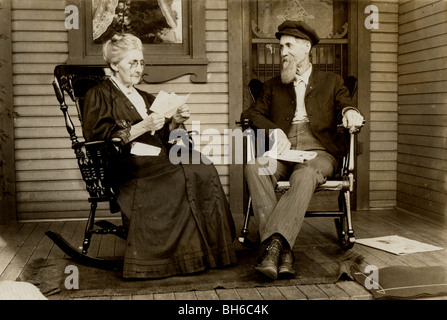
pixel 153 21
pixel 171 32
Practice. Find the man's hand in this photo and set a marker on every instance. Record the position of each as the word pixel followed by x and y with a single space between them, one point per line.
pixel 281 142
pixel 353 120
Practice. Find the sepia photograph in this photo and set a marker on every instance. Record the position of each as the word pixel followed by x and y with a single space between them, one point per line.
pixel 223 155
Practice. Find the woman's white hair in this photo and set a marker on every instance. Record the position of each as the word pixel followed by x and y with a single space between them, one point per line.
pixel 113 50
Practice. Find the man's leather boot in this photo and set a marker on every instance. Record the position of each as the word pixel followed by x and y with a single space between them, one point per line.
pixel 286 261
pixel 269 265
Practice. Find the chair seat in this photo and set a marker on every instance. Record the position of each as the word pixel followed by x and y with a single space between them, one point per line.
pixel 329 185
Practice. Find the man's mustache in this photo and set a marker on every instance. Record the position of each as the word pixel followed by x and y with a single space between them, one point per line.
pixel 287 62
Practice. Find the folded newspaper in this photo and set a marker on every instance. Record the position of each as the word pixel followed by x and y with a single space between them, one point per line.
pixel 291 155
pixel 142 149
pixel 168 103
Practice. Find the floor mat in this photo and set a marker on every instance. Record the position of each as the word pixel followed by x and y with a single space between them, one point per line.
pixel 404 282
pixel 314 265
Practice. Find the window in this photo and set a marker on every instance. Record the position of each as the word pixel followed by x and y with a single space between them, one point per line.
pixel 172 32
pixel 329 18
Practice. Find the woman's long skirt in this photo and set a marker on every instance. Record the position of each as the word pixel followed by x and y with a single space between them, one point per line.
pixel 178 219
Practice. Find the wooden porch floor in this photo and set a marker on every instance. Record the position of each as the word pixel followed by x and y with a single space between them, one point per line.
pixel 24 242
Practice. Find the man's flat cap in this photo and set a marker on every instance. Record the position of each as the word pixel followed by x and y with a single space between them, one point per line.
pixel 298 29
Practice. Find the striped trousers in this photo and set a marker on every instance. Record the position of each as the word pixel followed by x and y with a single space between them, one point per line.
pixel 285 216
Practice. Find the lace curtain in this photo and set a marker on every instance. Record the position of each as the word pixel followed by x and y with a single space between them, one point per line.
pixel 103 12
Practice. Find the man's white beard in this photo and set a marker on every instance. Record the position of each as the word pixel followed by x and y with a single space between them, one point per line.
pixel 288 71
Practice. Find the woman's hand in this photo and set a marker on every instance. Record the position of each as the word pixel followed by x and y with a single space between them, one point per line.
pixel 153 122
pixel 181 115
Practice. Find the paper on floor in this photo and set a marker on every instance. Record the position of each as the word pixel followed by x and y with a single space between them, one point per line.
pixel 397 245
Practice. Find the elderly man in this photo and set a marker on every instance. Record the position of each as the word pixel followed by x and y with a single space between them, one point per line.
pixel 300 109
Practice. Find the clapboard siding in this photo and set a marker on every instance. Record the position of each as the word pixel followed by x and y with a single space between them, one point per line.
pixel 39 41
pixel 422 138
pixel 48 184
pixel 384 110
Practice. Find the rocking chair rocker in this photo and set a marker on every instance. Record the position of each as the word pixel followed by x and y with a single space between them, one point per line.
pixel 94 159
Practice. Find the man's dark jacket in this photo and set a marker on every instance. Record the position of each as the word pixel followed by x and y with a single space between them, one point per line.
pixel 326 97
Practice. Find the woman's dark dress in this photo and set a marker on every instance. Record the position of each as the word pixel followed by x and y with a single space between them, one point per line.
pixel 178 216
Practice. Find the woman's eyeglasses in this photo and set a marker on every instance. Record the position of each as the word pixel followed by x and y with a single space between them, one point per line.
pixel 134 63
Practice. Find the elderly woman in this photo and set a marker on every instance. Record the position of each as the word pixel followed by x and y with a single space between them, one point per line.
pixel 177 215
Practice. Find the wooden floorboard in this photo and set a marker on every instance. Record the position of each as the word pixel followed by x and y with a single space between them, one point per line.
pixel 8 234
pixel 207 295
pixel 292 293
pixel 188 295
pixel 78 236
pixel 106 246
pixel 23 254
pixel 14 243
pixel 354 290
pixel 67 230
pixel 333 291
pixel 249 294
pixel 24 242
pixel 312 292
pixel 227 294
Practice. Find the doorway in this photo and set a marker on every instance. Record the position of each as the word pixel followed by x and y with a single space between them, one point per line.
pixel 344 49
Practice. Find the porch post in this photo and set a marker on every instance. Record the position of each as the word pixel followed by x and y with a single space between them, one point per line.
pixel 235 76
pixel 359 65
pixel 7 149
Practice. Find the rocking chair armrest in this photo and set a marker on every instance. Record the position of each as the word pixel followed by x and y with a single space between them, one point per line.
pixel 115 142
pixel 58 92
pixel 92 143
pixel 88 143
pixel 244 123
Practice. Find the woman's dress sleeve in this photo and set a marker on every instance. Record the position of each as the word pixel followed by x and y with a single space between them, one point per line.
pixel 99 122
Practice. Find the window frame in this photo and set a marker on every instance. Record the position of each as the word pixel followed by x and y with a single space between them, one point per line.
pixel 164 61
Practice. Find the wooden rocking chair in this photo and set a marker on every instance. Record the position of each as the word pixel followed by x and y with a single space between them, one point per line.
pixel 342 182
pixel 94 159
